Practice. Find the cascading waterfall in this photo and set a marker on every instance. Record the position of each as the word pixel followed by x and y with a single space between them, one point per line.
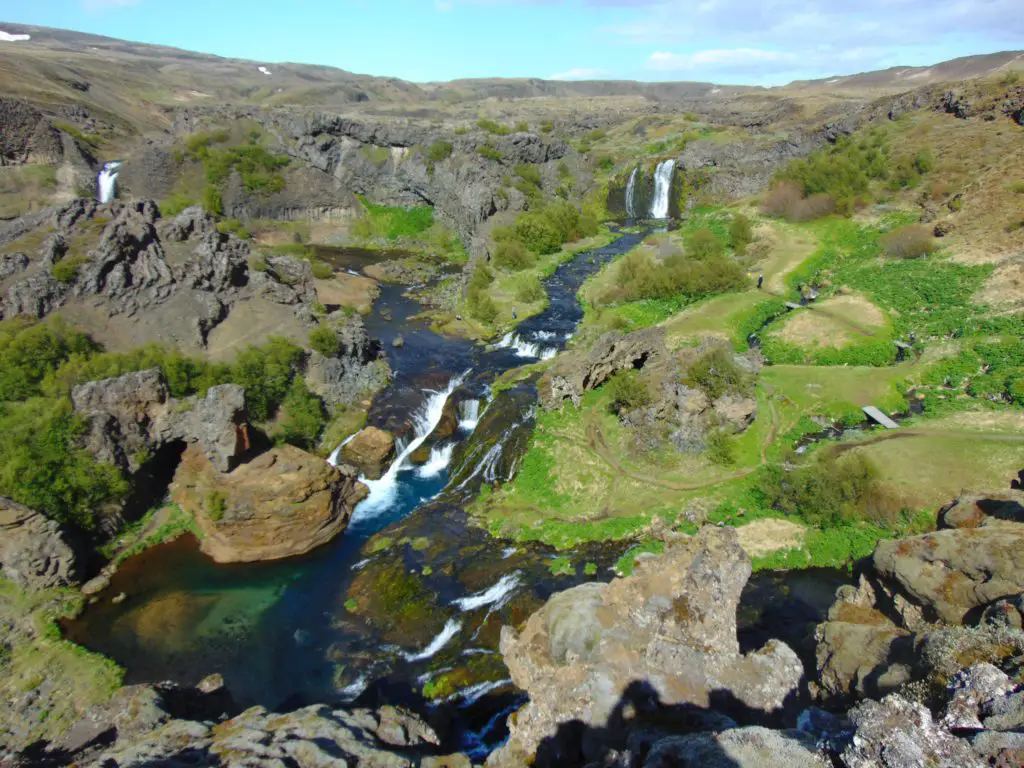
pixel 425 420
pixel 440 458
pixel 469 414
pixel 451 629
pixel 496 595
pixel 662 186
pixel 630 189
pixel 525 348
pixel 106 181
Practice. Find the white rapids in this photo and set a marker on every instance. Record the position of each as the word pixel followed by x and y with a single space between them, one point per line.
pixel 469 415
pixel 451 629
pixel 496 595
pixel 440 458
pixel 525 348
pixel 662 186
pixel 383 491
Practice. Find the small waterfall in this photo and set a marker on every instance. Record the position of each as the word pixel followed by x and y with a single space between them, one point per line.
pixel 474 693
pixel 662 186
pixel 106 182
pixel 525 348
pixel 497 594
pixel 440 458
pixel 336 453
pixel 630 189
pixel 425 420
pixel 451 629
pixel 469 415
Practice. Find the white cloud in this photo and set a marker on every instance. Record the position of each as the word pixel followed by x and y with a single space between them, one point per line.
pixel 102 5
pixel 577 73
pixel 717 58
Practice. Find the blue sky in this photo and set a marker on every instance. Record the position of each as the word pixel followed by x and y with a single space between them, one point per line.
pixel 762 42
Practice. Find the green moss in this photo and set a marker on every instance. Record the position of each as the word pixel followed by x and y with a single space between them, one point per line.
pixel 562 566
pixel 624 565
pixel 352 605
pixel 590 569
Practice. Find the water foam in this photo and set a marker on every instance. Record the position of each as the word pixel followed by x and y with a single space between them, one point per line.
pixel 630 190
pixel 469 415
pixel 451 629
pixel 525 348
pixel 497 595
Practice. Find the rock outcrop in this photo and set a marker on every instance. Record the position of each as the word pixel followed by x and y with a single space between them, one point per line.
pixel 370 450
pixel 953 573
pixel 35 552
pixel 576 373
pixel 131 417
pixel 282 503
pixel 27 136
pixel 664 638
pixel 357 369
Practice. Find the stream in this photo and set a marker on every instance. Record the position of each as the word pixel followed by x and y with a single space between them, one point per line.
pixel 412 593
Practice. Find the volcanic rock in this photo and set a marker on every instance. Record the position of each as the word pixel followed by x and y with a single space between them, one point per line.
pixel 282 503
pixel 370 450
pixel 35 552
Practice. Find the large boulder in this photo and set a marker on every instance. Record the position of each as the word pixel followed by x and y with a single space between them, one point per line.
pixel 751 747
pixel 953 573
pixel 282 503
pixel 35 552
pixel 972 509
pixel 672 625
pixel 218 423
pixel 370 450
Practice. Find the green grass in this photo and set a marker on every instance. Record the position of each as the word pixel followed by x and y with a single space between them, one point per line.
pixel 562 566
pixel 624 565
pixel 131 540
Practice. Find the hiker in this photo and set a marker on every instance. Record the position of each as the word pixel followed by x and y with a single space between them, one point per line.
pixel 760 280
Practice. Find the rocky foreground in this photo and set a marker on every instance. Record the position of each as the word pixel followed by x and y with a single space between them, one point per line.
pixel 647 671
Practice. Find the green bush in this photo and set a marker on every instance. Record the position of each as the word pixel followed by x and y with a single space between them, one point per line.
pixel 216 505
pixel 234 227
pixel 528 173
pixel 303 416
pixel 481 278
pixel 741 232
pixel 717 373
pixel 703 245
pixel 538 233
pixel 439 150
pixel 324 340
pixel 491 153
pixel 547 127
pixel 379 156
pixel 212 201
pixel 522 127
pixel 641 277
pixel 29 351
pixel 482 307
pixel 720 449
pixel 258 168
pixel 266 373
pixel 65 271
pixel 627 391
pixel 41 468
pixel 492 127
pixel 512 255
pixel 175 204
pixel 829 490
pixel 529 289
pixel 924 161
pixel 391 223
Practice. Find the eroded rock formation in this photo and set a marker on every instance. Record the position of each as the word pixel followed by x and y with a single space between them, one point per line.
pixel 35 552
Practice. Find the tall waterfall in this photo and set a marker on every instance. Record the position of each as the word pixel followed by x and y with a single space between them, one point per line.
pixel 106 181
pixel 630 189
pixel 662 185
pixel 425 420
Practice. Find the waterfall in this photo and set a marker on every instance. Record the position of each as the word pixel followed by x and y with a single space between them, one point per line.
pixel 662 185
pixel 336 453
pixel 469 414
pixel 426 418
pixel 525 348
pixel 451 629
pixel 106 181
pixel 440 458
pixel 630 189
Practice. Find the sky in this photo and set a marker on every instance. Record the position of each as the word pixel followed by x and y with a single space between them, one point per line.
pixel 756 42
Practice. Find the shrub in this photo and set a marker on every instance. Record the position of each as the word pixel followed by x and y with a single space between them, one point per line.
pixel 303 415
pixel 492 127
pixel 266 373
pixel 216 505
pixel 843 171
pixel 741 232
pixel 605 163
pixel 529 289
pixel 491 153
pixel 627 391
pixel 528 173
pixel 512 255
pixel 379 156
pixel 720 448
pixel 924 161
pixel 829 490
pixel 537 232
pixel 234 227
pixel 66 270
pixel 439 150
pixel 461 131
pixel 786 200
pixel 481 278
pixel 522 127
pixel 717 373
pixel 30 350
pixel 212 200
pixel 909 242
pixel 547 127
pixel 703 245
pixel 482 307
pixel 175 204
pixel 325 341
